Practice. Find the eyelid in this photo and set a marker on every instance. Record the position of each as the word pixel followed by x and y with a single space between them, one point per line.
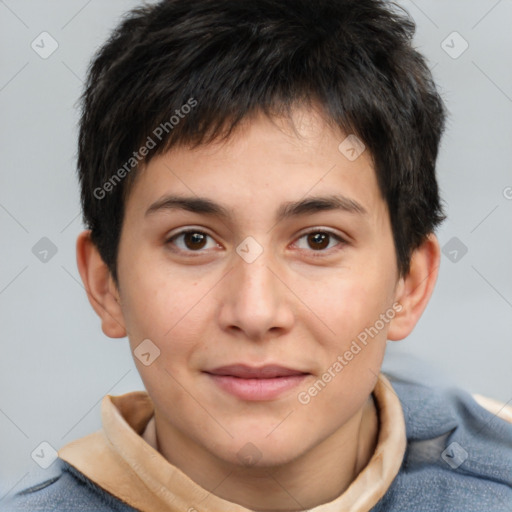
pixel 320 229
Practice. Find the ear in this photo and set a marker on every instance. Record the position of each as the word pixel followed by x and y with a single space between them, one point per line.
pixel 414 290
pixel 100 287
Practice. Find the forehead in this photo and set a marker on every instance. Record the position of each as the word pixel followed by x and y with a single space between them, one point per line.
pixel 266 161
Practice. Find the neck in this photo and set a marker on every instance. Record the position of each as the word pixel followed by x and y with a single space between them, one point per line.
pixel 305 482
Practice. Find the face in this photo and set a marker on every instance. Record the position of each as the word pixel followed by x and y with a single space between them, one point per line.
pixel 254 268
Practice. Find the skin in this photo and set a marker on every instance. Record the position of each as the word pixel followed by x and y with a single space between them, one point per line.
pixel 295 305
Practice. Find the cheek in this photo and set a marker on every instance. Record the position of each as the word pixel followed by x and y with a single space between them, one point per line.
pixel 154 299
pixel 170 310
pixel 348 302
pixel 352 355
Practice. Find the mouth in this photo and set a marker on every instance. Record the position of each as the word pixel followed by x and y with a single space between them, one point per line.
pixel 256 383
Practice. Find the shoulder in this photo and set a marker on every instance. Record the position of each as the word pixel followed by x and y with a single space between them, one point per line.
pixel 458 456
pixel 66 489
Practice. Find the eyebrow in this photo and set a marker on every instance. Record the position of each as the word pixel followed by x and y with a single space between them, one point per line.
pixel 312 204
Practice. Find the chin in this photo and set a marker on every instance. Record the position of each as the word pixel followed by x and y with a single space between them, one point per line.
pixel 261 451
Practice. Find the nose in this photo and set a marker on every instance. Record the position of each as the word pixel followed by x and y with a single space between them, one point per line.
pixel 255 303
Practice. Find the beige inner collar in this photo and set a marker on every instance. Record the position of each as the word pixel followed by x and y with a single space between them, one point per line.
pixel 122 459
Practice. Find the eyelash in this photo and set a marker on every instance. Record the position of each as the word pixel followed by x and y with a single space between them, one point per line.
pixel 314 253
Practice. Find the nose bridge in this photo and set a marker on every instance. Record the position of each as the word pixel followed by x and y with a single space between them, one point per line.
pixel 256 282
pixel 256 302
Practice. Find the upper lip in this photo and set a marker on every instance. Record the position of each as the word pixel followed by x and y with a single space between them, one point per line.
pixel 244 371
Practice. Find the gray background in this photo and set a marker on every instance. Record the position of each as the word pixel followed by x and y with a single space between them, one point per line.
pixel 56 364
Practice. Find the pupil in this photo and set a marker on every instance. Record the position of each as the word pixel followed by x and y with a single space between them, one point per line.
pixel 195 240
pixel 321 240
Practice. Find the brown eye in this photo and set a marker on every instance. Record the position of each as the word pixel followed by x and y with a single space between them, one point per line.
pixel 318 241
pixel 192 241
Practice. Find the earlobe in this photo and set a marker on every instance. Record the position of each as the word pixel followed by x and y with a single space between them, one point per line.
pixel 101 290
pixel 414 290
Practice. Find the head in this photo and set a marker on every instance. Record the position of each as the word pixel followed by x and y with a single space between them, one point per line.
pixel 295 141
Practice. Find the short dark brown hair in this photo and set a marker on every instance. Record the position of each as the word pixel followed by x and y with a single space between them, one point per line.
pixel 188 71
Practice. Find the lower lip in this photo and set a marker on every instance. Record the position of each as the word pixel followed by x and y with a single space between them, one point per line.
pixel 257 389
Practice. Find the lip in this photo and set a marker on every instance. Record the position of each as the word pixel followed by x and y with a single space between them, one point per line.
pixel 256 383
pixel 244 371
